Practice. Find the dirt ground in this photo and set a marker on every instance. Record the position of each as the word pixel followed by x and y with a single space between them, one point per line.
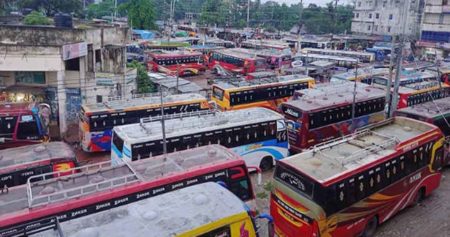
pixel 429 219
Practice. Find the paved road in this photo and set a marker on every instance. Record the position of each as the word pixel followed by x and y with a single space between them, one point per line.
pixel 430 219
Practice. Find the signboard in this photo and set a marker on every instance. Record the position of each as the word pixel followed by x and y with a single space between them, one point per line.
pixel 104 79
pixel 30 77
pixel 77 50
pixel 130 76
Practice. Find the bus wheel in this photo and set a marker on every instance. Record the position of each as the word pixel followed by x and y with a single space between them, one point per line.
pixel 420 196
pixel 266 163
pixel 371 227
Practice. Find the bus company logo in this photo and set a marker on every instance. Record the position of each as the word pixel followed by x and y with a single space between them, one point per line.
pixel 220 174
pixel 192 181
pixel 291 112
pixel 178 185
pixel 158 190
pixel 102 206
pixel 79 212
pixel 243 231
pixel 120 201
pixel 415 177
pixel 142 195
pixel 292 180
pixel 410 146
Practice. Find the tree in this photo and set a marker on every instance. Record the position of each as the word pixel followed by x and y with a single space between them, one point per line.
pixel 51 7
pixel 144 85
pixel 141 13
pixel 36 18
pixel 215 12
pixel 98 10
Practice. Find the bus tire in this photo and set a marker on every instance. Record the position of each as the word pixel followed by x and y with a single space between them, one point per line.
pixel 420 196
pixel 371 227
pixel 266 163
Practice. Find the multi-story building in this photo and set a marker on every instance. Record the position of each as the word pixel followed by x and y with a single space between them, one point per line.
pixel 386 17
pixel 64 67
pixel 435 29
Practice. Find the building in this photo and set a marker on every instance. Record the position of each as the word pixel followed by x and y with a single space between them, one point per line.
pixel 64 67
pixel 385 17
pixel 435 29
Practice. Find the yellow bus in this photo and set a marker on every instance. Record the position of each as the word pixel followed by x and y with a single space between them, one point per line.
pixel 203 210
pixel 97 120
pixel 266 92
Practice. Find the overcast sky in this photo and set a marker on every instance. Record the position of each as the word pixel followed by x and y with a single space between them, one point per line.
pixel 307 2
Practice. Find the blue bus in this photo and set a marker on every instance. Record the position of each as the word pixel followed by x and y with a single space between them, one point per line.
pixel 258 135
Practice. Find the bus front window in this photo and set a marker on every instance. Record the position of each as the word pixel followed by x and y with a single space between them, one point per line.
pixel 7 126
pixel 218 93
pixel 28 128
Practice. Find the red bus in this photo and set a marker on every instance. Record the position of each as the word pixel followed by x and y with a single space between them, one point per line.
pixel 236 60
pixel 101 186
pixel 22 124
pixel 20 163
pixel 421 92
pixel 435 112
pixel 349 186
pixel 276 59
pixel 186 63
pixel 323 113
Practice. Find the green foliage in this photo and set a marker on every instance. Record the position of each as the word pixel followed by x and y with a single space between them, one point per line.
pixel 144 85
pixel 141 13
pixel 215 12
pixel 262 195
pixel 36 18
pixel 268 186
pixel 105 8
pixel 51 7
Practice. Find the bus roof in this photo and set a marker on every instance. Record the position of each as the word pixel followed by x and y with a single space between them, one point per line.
pixel 139 102
pixel 430 109
pixel 33 153
pixel 328 57
pixel 177 53
pixel 362 73
pixel 330 95
pixel 169 214
pixel 140 132
pixel 336 51
pixel 140 171
pixel 417 86
pixel 239 53
pixel 275 44
pixel 341 156
pixel 238 83
pixel 14 108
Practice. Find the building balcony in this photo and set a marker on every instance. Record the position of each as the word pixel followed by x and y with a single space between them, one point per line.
pixel 433 9
pixel 435 27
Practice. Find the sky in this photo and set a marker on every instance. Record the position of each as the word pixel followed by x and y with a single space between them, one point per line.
pixel 307 2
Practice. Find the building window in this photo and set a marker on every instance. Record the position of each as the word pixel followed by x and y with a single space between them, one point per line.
pixel 30 77
pixel 72 64
pixel 357 15
pixel 359 4
pixel 376 28
pixel 99 99
pixel 389 29
pixel 368 27
pixel 391 17
pixel 377 16
pixel 370 15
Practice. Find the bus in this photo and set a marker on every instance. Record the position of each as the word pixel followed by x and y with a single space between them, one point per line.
pixel 364 75
pixel 97 120
pixel 183 63
pixel 22 124
pixel 417 93
pixel 98 187
pixel 364 57
pixel 236 60
pixel 406 78
pixel 338 60
pixel 265 44
pixel 324 113
pixel 204 210
pixel 20 163
pixel 166 46
pixel 258 135
pixel 276 59
pixel 436 112
pixel 265 92
pixel 348 186
pixel 191 30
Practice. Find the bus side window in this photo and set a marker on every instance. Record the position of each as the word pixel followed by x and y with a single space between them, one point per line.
pixel 341 196
pixel 7 126
pixel 222 232
pixel 28 128
pixel 351 191
pixel 361 187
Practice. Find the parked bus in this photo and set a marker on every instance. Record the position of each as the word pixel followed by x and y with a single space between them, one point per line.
pixel 204 210
pixel 192 31
pixel 265 44
pixel 417 93
pixel 97 120
pixel 348 186
pixel 183 63
pixel 98 187
pixel 20 163
pixel 324 113
pixel 339 61
pixel 405 78
pixel 256 134
pixel 364 57
pixel 265 92
pixel 236 60
pixel 166 46
pixel 276 59
pixel 364 75
pixel 22 124
pixel 436 112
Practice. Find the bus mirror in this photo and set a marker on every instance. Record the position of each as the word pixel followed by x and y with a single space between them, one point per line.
pixel 269 219
pixel 212 105
pixel 258 171
pixel 2 140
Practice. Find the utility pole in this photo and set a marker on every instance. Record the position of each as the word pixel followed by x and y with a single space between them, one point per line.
pixel 300 15
pixel 335 14
pixel 178 76
pixel 354 98
pixel 389 82
pixel 115 11
pixel 163 124
pixel 248 13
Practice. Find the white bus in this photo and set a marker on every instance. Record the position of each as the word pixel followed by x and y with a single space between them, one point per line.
pixel 258 135
pixel 364 57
